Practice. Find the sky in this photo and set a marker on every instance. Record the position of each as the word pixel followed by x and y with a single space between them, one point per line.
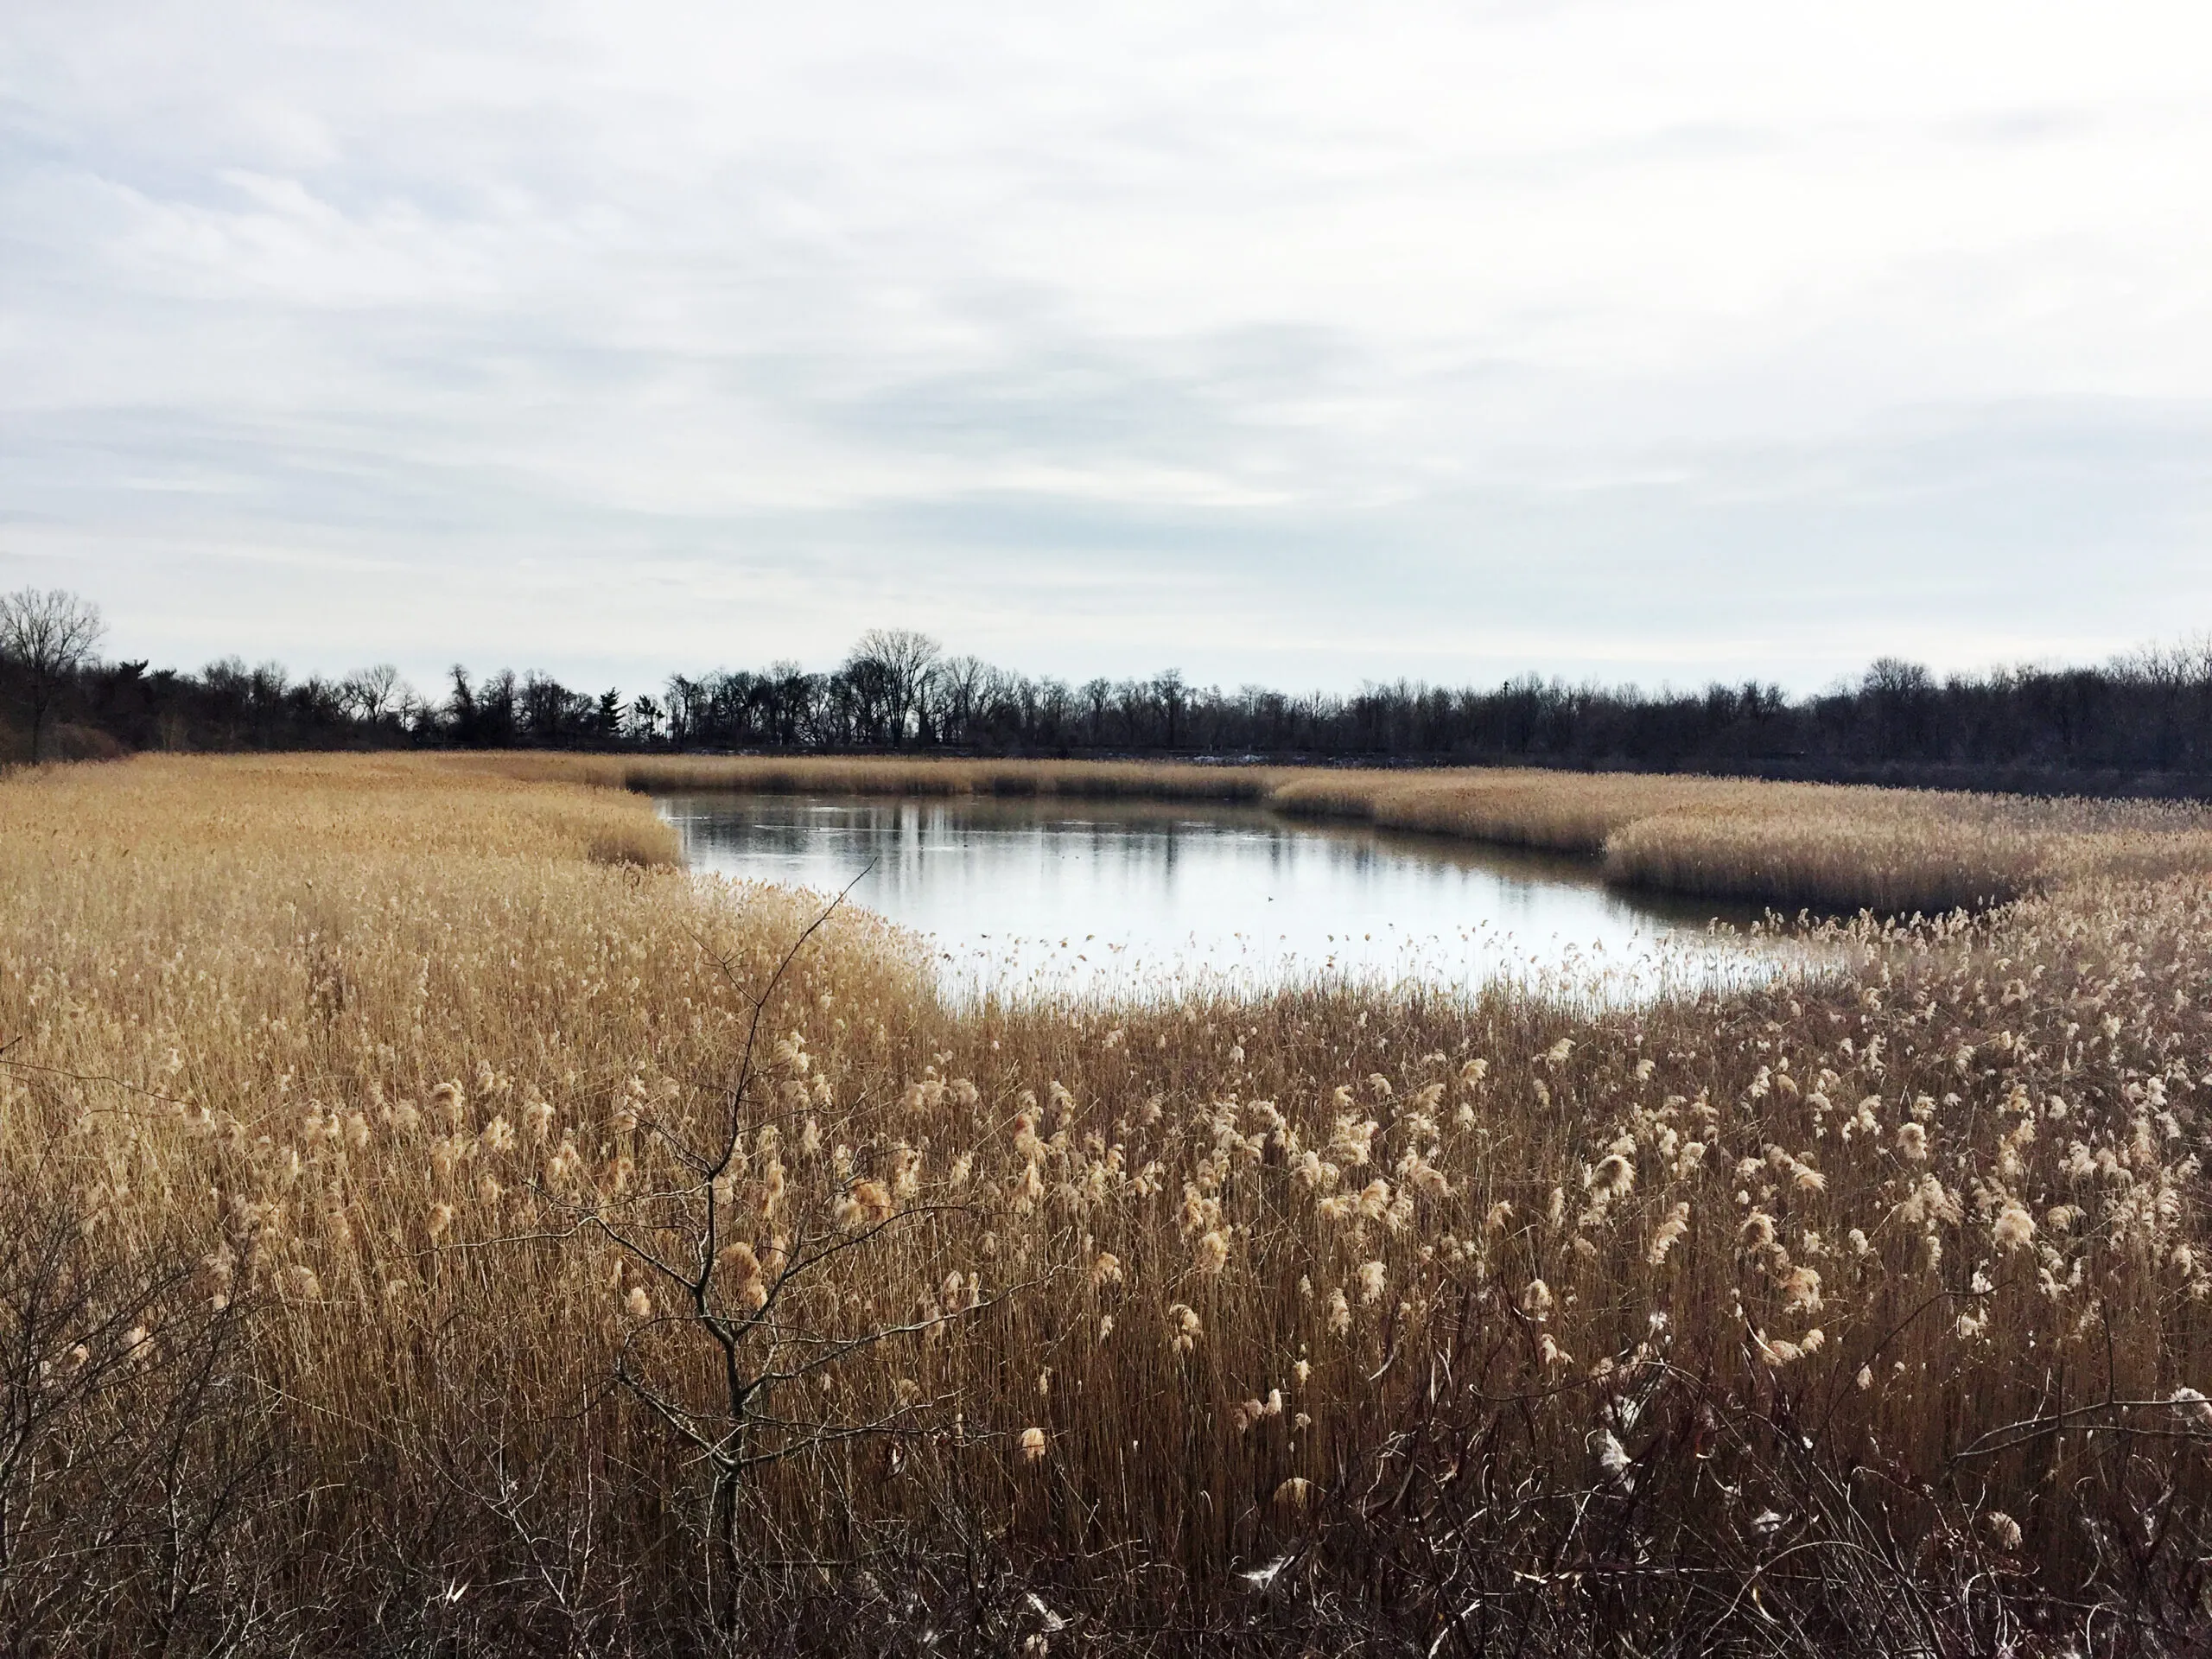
pixel 1304 344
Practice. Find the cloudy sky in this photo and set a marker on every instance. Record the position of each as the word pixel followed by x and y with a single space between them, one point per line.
pixel 1305 343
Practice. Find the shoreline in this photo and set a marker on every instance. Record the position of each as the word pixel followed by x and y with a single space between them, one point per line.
pixel 1826 849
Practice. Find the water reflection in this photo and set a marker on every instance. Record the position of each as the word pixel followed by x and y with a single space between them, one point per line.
pixel 1146 898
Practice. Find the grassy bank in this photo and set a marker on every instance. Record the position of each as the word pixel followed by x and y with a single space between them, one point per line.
pixel 1824 847
pixel 400 1252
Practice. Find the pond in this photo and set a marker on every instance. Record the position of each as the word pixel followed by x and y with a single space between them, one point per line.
pixel 1144 898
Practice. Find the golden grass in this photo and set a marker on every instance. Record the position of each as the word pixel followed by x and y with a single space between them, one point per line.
pixel 1826 847
pixel 388 1052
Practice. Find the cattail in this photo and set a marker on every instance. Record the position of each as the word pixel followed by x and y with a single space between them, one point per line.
pixel 1351 1145
pixel 1183 1328
pixel 1912 1140
pixel 565 1167
pixel 1613 1459
pixel 2003 1530
pixel 1425 1179
pixel 2191 1407
pixel 1536 1300
pixel 1370 1282
pixel 1669 1233
pixel 1213 1252
pixel 499 1134
pixel 440 1219
pixel 907 1174
pixel 1032 1445
pixel 2014 1227
pixel 448 1100
pixel 1296 1493
pixel 1340 1313
pixel 218 1267
pixel 868 1204
pixel 742 1266
pixel 640 1304
pixel 1105 1269
pixel 1800 1291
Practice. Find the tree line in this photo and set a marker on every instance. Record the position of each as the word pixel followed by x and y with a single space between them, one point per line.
pixel 2142 720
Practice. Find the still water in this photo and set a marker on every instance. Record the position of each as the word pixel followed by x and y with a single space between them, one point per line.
pixel 1147 898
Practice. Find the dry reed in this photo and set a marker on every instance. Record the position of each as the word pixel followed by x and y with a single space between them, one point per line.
pixel 1867 1309
pixel 1832 848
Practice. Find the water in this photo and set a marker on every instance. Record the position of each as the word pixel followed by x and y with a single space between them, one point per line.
pixel 1147 898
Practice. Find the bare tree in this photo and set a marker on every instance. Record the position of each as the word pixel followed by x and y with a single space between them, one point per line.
pixel 906 659
pixel 750 1313
pixel 1098 699
pixel 48 636
pixel 1174 696
pixel 373 693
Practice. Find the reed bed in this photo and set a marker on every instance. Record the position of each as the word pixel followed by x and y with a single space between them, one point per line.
pixel 880 775
pixel 1828 848
pixel 429 1222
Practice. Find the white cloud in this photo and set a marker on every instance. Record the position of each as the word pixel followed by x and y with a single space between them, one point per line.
pixel 1296 342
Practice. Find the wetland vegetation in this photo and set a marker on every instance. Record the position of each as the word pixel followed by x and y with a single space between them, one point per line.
pixel 434 1222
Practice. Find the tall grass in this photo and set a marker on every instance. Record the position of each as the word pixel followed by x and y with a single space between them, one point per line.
pixel 392 1131
pixel 1826 846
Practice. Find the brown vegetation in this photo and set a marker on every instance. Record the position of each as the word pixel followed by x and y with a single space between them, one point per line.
pixel 432 1223
pixel 1819 846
